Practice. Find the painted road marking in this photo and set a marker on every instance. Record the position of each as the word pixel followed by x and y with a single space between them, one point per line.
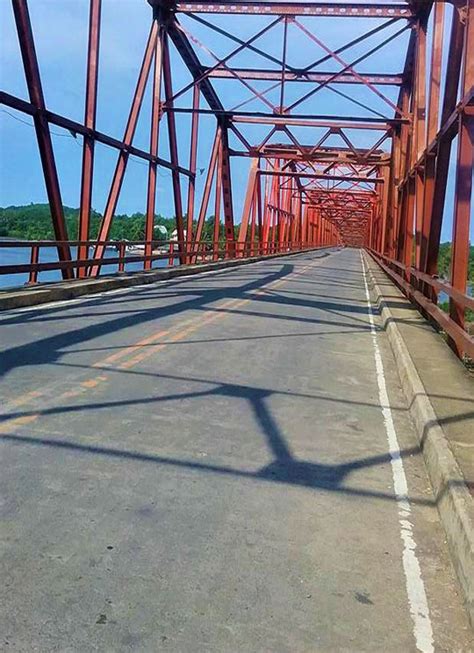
pixel 18 421
pixel 419 610
pixel 189 326
pixel 24 399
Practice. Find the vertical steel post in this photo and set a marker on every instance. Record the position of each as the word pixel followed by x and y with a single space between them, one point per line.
pixel 462 211
pixel 154 140
pixel 252 249
pixel 217 208
pixel 89 122
pixel 248 204
pixel 433 228
pixel 380 245
pixel 173 143
pixel 464 182
pixel 192 168
pixel 227 192
pixel 435 71
pixel 207 189
pixel 304 226
pixel 419 114
pixel 34 260
pixel 283 64
pixel 122 159
pixel 258 197
pixel 409 224
pixel 419 126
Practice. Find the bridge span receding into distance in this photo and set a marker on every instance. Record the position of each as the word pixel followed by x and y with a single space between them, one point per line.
pixel 241 418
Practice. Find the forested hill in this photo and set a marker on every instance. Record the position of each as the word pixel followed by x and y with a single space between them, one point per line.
pixel 33 222
pixel 444 261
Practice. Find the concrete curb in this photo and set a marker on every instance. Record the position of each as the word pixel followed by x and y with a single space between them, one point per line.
pixel 453 499
pixel 61 291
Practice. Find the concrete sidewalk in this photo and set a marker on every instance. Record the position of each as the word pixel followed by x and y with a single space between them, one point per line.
pixel 440 393
pixel 448 383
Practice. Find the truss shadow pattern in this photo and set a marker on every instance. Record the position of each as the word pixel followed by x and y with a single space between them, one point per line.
pixel 375 179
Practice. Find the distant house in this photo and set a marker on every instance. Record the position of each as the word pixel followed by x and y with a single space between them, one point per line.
pixel 174 235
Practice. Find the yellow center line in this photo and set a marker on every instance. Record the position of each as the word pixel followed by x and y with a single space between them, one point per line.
pixel 185 329
pixel 25 398
pixel 179 335
pixel 130 349
pixel 198 323
pixel 18 421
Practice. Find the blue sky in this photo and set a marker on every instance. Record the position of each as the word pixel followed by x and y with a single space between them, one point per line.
pixel 60 29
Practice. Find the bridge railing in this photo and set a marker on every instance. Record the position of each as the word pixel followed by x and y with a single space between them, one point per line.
pixel 423 290
pixel 137 251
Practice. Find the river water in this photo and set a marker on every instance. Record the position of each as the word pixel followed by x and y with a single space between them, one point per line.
pixel 21 255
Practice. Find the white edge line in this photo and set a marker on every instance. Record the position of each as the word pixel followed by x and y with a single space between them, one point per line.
pixel 419 610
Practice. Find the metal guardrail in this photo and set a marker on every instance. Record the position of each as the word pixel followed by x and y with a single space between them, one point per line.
pixel 422 289
pixel 191 252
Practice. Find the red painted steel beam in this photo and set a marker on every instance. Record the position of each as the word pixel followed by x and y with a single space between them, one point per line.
pixel 464 182
pixel 435 72
pixel 308 175
pixel 328 9
pixel 211 168
pixel 304 119
pixel 227 193
pixel 429 263
pixel 275 60
pixel 326 157
pixel 190 58
pixel 154 139
pixel 302 76
pixel 122 160
pixel 173 145
pixel 192 167
pixel 45 145
pixel 78 128
pixel 346 66
pixel 217 209
pixel 89 123
pixel 248 205
pixel 462 214
pixel 221 63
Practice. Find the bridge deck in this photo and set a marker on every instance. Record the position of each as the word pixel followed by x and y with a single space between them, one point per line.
pixel 203 465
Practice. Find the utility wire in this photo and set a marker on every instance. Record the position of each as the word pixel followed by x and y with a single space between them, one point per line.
pixel 25 122
pixel 132 157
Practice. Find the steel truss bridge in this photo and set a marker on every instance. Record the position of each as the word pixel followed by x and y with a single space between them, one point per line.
pixel 266 444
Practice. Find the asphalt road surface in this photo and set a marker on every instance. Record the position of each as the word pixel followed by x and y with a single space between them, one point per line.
pixel 217 464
